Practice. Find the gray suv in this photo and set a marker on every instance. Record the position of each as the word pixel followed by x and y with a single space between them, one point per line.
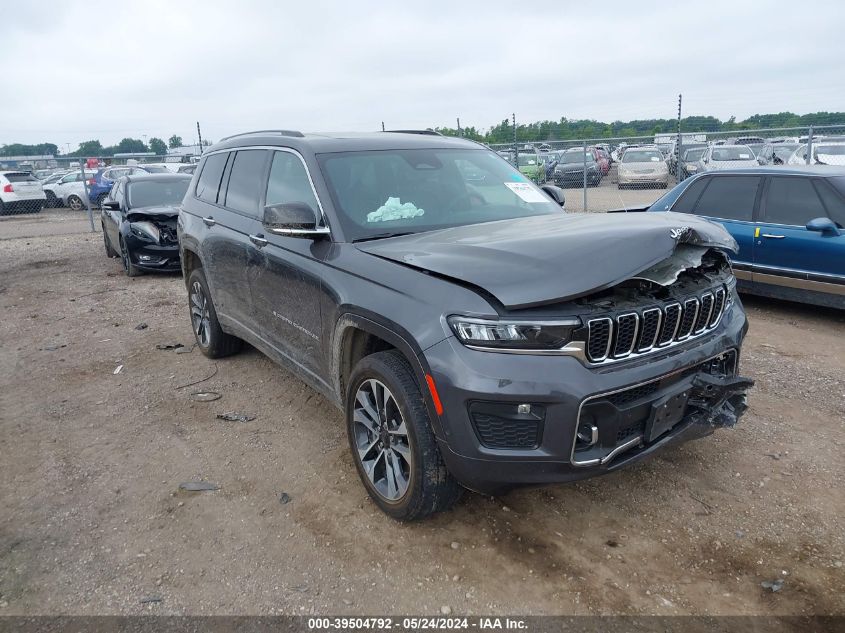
pixel 474 334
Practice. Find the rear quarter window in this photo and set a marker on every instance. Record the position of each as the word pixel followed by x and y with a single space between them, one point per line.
pixel 208 184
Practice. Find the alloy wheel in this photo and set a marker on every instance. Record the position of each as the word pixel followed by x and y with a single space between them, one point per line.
pixel 74 203
pixel 381 440
pixel 200 317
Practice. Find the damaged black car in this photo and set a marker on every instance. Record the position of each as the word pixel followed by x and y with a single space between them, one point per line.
pixel 473 333
pixel 139 222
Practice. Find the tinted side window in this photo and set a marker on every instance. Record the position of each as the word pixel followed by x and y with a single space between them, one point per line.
pixel 833 202
pixel 729 197
pixel 289 181
pixel 209 181
pixel 792 201
pixel 690 196
pixel 245 181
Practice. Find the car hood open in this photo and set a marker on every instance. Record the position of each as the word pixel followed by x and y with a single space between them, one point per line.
pixel 533 261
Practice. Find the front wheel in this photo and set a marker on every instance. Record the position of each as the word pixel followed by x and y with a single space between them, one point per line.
pixel 129 268
pixel 392 443
pixel 211 339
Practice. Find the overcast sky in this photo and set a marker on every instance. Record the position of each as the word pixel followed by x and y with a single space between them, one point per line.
pixel 79 70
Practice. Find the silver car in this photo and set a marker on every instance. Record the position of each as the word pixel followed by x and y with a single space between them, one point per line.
pixel 641 166
pixel 728 157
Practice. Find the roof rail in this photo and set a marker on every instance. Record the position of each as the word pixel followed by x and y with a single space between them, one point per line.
pixel 424 132
pixel 295 133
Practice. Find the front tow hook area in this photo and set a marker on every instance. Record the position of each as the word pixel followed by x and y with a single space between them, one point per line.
pixel 718 400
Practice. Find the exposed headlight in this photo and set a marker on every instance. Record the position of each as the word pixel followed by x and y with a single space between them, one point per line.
pixel 145 230
pixel 514 335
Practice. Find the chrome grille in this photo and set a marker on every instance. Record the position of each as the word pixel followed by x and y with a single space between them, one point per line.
pixel 627 327
pixel 600 332
pixel 634 333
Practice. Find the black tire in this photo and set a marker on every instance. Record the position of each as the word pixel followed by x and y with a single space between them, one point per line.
pixel 129 268
pixel 430 488
pixel 110 253
pixel 52 200
pixel 217 344
pixel 100 199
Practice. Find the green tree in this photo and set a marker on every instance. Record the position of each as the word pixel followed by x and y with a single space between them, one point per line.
pixel 174 141
pixel 90 148
pixel 130 145
pixel 158 146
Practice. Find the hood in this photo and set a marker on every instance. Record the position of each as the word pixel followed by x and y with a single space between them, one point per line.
pixel 533 261
pixel 158 212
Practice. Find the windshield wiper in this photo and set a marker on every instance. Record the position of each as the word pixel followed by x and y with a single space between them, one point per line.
pixel 381 236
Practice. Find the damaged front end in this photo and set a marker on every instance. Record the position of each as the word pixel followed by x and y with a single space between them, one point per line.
pixel 152 241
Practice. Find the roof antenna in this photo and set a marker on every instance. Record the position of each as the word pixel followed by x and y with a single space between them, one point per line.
pixel 382 126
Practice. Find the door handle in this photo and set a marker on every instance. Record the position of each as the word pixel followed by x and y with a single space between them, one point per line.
pixel 774 237
pixel 209 221
pixel 258 240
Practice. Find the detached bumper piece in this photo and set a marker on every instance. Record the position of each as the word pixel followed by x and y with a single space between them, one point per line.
pixel 718 400
pixel 632 419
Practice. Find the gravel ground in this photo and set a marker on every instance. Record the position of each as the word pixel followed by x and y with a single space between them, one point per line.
pixel 94 521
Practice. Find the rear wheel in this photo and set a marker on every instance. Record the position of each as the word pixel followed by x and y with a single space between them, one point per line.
pixel 392 443
pixel 74 202
pixel 211 339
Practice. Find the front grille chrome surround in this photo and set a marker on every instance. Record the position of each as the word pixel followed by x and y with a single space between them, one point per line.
pixel 655 327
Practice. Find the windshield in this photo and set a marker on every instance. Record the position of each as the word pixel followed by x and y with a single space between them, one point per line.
pixel 155 169
pixel 732 152
pixel 693 154
pixel 154 193
pixel 528 159
pixel 575 157
pixel 411 191
pixel 642 156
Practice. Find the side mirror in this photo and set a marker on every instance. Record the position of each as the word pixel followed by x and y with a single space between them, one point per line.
pixel 114 206
pixel 295 219
pixel 555 193
pixel 825 226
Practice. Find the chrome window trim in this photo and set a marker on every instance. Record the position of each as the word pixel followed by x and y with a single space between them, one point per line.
pixel 277 148
pixel 626 446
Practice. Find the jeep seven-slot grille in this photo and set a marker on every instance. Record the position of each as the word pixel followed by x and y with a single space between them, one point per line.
pixel 633 333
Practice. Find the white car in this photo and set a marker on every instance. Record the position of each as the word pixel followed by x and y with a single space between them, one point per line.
pixel 69 190
pixel 728 157
pixel 20 190
pixel 824 153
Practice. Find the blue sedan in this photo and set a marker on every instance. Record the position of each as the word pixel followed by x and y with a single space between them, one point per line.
pixel 787 221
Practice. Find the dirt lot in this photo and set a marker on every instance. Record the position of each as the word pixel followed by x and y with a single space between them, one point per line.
pixel 93 520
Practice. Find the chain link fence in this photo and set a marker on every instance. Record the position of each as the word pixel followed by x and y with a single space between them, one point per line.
pixel 601 174
pixel 598 174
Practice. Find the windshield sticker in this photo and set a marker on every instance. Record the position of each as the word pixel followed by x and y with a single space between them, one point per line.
pixel 655 159
pixel 393 209
pixel 526 192
pixel 745 156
